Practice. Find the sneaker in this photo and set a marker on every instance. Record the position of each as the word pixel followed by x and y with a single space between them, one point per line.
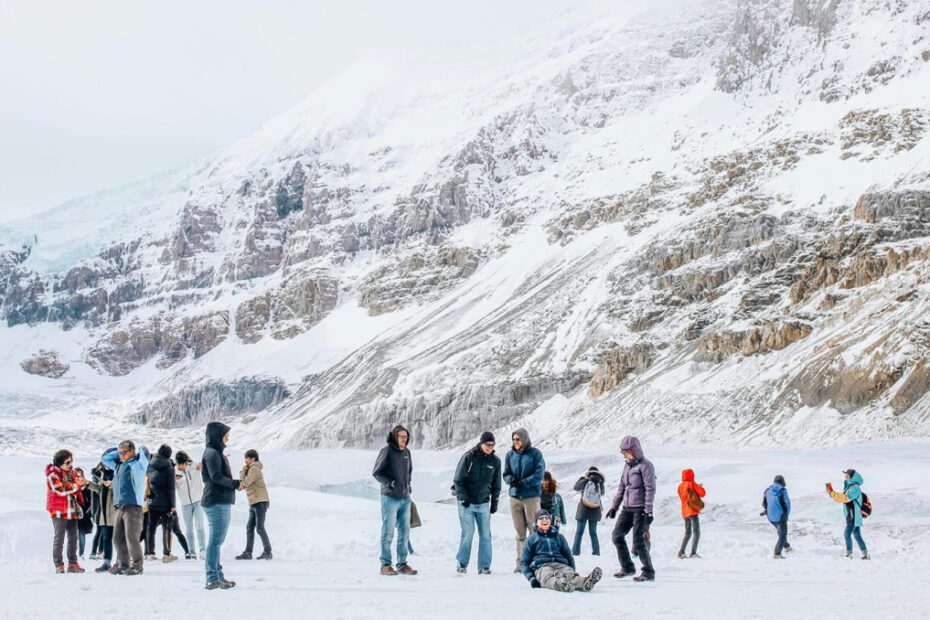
pixel 406 569
pixel 266 555
pixel 245 555
pixel 681 555
pixel 388 571
pixel 94 556
pixel 168 558
pixel 866 556
pixel 214 585
pixel 103 568
pixel 461 568
pixel 644 577
pixel 694 556
pixel 75 568
pixel 849 555
pixel 116 569
pixel 190 556
pixel 620 574
pixel 592 579
pixel 484 571
pixel 778 556
pixel 131 572
pixel 227 584
pixel 150 557
pixel 788 549
pixel 60 569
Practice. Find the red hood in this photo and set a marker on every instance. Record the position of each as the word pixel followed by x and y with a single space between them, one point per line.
pixel 687 475
pixel 50 468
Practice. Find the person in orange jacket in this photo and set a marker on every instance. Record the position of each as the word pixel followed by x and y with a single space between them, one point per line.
pixel 690 511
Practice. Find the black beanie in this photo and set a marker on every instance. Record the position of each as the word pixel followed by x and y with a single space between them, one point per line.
pixel 487 436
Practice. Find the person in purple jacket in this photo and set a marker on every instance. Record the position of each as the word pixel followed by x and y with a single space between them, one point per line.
pixel 637 491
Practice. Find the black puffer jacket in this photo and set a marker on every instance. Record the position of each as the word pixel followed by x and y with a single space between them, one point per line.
pixel 478 477
pixel 160 473
pixel 394 467
pixel 219 487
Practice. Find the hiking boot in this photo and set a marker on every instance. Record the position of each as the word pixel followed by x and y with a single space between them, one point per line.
pixel 60 569
pixel 866 556
pixel 681 555
pixel 116 569
pixel 644 577
pixel 461 568
pixel 388 571
pixel 484 571
pixel 131 572
pixel 562 584
pixel 227 584
pixel 150 557
pixel 214 585
pixel 620 574
pixel 694 556
pixel 849 555
pixel 245 555
pixel 103 568
pixel 516 569
pixel 168 558
pixel 406 569
pixel 778 556
pixel 266 555
pixel 592 579
pixel 75 568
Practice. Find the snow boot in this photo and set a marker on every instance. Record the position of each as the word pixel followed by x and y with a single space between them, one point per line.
pixel 644 577
pixel 226 584
pixel 60 569
pixel 214 585
pixel 75 568
pixel 484 571
pixel 562 584
pixel 388 571
pixel 592 579
pixel 245 555
pixel 266 555
pixel 406 569
pixel 460 568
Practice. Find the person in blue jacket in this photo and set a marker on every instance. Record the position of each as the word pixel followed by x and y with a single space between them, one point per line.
pixel 851 498
pixel 777 507
pixel 547 560
pixel 523 471
pixel 128 487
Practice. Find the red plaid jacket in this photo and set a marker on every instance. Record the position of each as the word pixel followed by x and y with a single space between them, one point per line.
pixel 63 496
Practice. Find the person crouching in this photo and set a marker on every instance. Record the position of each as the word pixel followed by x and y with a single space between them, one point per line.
pixel 547 560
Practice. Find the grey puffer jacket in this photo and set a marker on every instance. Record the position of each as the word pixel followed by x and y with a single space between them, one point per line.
pixel 637 488
pixel 394 466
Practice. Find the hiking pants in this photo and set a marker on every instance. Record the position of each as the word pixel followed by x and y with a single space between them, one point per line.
pixel 127 531
pixel 560 577
pixel 633 519
pixel 523 512
pixel 692 526
pixel 62 527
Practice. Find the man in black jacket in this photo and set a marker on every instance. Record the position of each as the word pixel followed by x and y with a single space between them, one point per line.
pixel 394 470
pixel 219 494
pixel 160 473
pixel 477 488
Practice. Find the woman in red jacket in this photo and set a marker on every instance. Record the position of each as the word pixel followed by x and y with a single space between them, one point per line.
pixel 690 493
pixel 64 500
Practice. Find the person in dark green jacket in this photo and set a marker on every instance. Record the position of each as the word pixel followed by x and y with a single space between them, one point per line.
pixel 551 501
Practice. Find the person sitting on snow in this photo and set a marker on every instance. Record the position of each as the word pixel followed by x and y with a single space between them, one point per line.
pixel 547 560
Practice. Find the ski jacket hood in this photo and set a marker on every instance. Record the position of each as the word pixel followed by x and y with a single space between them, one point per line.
pixel 687 475
pixel 392 436
pixel 856 478
pixel 631 443
pixel 214 435
pixel 524 436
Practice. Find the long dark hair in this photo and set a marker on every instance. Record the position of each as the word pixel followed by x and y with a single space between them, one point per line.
pixel 549 485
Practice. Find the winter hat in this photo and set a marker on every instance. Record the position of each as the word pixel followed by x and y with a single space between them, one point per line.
pixel 543 514
pixel 780 480
pixel 487 437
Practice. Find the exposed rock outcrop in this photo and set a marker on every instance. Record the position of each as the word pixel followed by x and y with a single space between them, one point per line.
pixel 771 336
pixel 46 364
pixel 213 400
pixel 616 363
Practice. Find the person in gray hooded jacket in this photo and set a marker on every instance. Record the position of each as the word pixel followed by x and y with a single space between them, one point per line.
pixel 636 491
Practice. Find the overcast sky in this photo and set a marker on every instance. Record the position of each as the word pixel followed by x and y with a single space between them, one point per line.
pixel 99 93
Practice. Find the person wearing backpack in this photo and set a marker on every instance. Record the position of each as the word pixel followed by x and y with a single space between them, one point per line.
pixel 853 500
pixel 690 493
pixel 588 513
pixel 777 506
pixel 551 501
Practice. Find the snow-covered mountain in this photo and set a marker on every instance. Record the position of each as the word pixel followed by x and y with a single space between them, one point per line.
pixel 709 222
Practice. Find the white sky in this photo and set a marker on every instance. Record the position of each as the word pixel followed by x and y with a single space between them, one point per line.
pixel 99 93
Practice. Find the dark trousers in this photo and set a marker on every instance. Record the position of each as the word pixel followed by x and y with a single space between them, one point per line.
pixel 175 528
pixel 635 520
pixel 158 517
pixel 579 534
pixel 61 528
pixel 95 543
pixel 144 534
pixel 782 528
pixel 257 522
pixel 692 526
pixel 105 544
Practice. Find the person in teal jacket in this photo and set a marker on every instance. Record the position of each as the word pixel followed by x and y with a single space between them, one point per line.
pixel 851 498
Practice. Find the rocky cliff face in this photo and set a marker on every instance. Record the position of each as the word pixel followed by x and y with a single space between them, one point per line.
pixel 714 219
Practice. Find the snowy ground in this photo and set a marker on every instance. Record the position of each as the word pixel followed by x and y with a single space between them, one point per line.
pixel 324 525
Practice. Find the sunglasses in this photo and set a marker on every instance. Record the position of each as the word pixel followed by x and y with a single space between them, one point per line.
pixel 543 519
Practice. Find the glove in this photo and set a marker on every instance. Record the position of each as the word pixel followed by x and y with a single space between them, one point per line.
pixel 493 507
pixel 649 518
pixel 465 503
pixel 534 583
pixel 611 513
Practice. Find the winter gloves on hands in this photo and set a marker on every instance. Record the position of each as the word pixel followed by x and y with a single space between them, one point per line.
pixel 493 507
pixel 611 513
pixel 465 503
pixel 649 518
pixel 534 583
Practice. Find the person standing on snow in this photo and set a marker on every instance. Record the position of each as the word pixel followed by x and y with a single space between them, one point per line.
pixel 777 506
pixel 219 494
pixel 637 490
pixel 252 480
pixel 551 501
pixel 86 522
pixel 162 502
pixel 690 494
pixel 394 470
pixel 524 468
pixel 588 513
pixel 189 492
pixel 852 499
pixel 64 502
pixel 547 562
pixel 477 488
pixel 101 479
pixel 128 497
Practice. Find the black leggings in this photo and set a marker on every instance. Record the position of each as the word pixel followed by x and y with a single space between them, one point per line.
pixel 257 522
pixel 168 521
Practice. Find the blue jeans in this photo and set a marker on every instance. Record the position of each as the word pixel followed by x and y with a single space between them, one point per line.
pixel 853 530
pixel 782 527
pixel 579 534
pixel 468 517
pixel 218 518
pixel 395 513
pixel 193 518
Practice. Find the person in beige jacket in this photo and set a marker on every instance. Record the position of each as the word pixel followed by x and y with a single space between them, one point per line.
pixel 252 480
